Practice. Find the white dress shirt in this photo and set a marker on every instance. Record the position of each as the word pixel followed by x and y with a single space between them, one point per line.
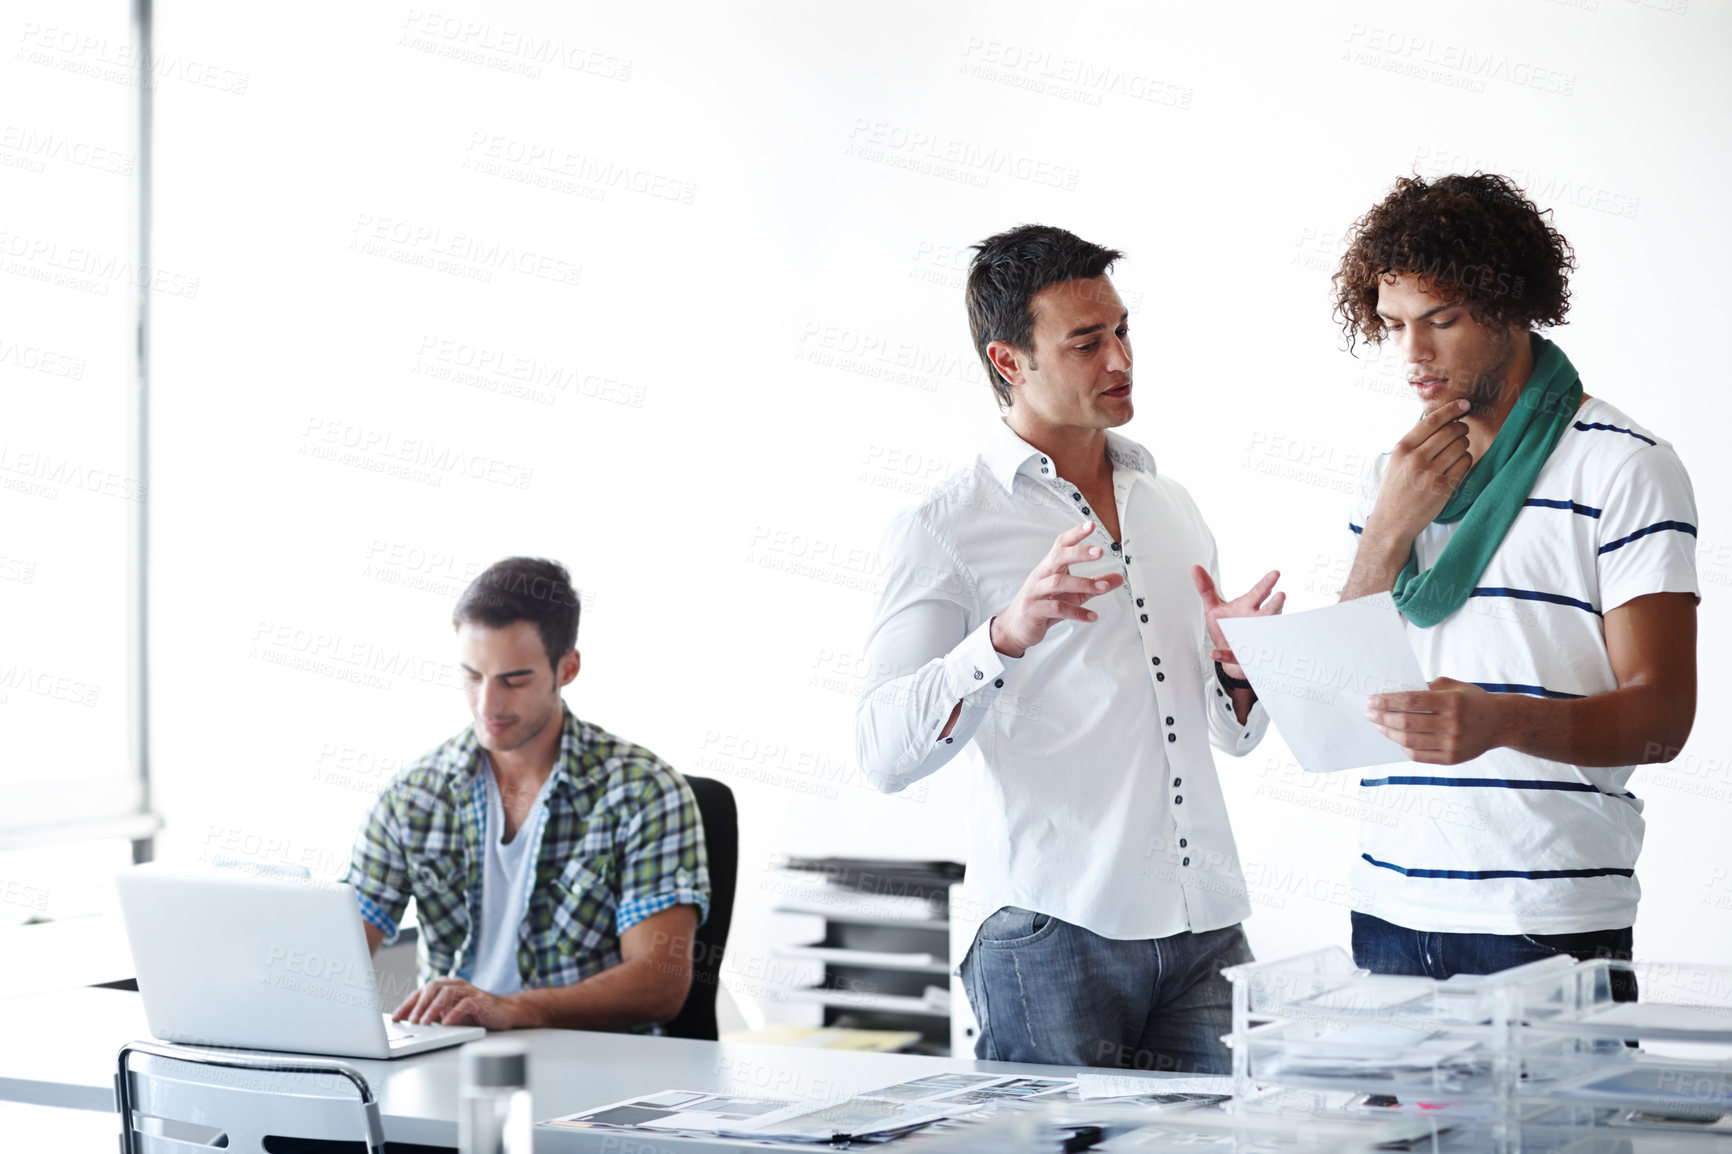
pixel 1095 798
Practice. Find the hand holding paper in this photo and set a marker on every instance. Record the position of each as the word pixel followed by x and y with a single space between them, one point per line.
pixel 1313 672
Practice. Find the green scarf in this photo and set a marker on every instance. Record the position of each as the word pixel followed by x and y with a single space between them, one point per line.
pixel 1489 497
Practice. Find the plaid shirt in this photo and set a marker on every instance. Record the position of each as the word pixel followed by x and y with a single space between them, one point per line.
pixel 618 839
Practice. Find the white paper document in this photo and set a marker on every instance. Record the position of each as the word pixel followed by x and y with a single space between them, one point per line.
pixel 1313 671
pixel 1091 1087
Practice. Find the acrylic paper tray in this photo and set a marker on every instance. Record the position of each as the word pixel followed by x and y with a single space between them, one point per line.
pixel 1676 1003
pixel 1324 986
pixel 1374 1058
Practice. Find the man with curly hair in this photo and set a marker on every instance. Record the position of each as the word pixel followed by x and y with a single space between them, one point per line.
pixel 1541 546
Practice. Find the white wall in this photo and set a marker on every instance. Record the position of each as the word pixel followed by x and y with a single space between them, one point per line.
pixel 764 355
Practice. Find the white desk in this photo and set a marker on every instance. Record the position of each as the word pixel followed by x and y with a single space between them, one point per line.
pixel 59 1050
pixel 64 954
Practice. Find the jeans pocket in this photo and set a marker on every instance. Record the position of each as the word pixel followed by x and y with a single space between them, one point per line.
pixel 1541 945
pixel 1013 926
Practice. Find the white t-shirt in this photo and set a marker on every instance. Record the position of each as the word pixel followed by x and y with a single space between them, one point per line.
pixel 1509 843
pixel 507 877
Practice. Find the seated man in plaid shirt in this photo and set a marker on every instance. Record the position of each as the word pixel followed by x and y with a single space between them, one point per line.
pixel 559 872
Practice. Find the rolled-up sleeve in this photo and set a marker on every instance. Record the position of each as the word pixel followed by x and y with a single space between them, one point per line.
pixel 664 860
pixel 378 867
pixel 928 649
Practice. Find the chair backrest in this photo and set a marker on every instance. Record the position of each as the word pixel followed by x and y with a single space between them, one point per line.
pixel 721 818
pixel 247 1097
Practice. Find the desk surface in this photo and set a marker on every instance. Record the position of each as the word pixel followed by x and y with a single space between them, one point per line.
pixel 63 955
pixel 61 1051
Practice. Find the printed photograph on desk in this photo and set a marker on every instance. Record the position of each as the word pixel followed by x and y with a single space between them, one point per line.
pixel 1013 1089
pixel 931 1086
pixel 686 1111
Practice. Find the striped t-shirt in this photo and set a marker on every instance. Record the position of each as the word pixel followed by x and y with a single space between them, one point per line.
pixel 1509 843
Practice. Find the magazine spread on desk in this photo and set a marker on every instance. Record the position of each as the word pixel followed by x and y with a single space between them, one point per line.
pixel 873 1116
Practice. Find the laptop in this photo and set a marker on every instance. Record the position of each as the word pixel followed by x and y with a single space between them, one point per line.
pixel 229 957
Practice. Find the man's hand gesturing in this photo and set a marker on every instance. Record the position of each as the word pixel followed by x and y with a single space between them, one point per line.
pixel 1256 602
pixel 1052 594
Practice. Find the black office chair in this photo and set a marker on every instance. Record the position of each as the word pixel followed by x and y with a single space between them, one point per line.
pixel 721 818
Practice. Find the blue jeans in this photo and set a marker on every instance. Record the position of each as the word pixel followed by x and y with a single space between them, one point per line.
pixel 1044 990
pixel 1386 948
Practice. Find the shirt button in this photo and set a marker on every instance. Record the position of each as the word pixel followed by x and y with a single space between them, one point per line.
pixel 1044 461
pixel 1178 799
pixel 1160 677
pixel 1085 508
pixel 1139 602
pixel 949 740
pixel 1076 496
pixel 1156 660
pixel 1043 469
pixel 1183 843
pixel 1178 781
pixel 1172 737
pixel 1220 693
pixel 979 676
pixel 1115 546
pixel 1145 617
pixel 998 683
pixel 1169 721
pixel 1187 861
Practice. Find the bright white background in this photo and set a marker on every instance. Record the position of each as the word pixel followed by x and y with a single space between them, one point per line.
pixel 684 294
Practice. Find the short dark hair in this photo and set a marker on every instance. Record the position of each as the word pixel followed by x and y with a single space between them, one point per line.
pixel 1475 238
pixel 524 589
pixel 1008 270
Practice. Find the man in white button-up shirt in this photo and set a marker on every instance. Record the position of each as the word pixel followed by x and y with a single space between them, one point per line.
pixel 1051 609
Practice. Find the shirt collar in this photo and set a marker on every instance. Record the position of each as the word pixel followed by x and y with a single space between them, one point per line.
pixel 571 765
pixel 1007 454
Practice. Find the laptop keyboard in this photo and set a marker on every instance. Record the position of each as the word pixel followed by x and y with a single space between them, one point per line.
pixel 400 1033
pixel 405 1031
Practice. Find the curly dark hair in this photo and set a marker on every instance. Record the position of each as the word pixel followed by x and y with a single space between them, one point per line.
pixel 1473 238
pixel 1008 270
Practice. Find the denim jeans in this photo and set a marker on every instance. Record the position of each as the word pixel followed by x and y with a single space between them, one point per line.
pixel 1386 948
pixel 1044 990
